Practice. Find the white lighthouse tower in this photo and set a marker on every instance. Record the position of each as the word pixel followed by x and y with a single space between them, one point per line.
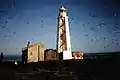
pixel 63 35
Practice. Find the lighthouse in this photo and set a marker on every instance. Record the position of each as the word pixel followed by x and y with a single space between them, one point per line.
pixel 63 35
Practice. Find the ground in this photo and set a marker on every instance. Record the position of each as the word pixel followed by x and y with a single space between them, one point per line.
pixel 89 69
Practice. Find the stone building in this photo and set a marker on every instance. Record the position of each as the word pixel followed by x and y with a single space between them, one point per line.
pixel 77 55
pixel 33 53
pixel 50 54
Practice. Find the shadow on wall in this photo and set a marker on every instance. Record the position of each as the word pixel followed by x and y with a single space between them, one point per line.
pixel 50 54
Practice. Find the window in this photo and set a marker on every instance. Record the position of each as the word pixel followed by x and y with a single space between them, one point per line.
pixel 31 53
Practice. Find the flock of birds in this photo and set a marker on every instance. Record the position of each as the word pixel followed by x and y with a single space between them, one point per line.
pixel 115 31
pixel 100 25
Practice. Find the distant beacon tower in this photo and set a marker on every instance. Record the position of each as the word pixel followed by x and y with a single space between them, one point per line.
pixel 63 35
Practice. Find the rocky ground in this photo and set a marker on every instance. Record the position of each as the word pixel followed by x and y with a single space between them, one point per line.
pixel 107 69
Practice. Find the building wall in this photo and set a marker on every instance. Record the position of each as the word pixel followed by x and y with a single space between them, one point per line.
pixel 33 53
pixel 41 52
pixel 50 54
pixel 77 55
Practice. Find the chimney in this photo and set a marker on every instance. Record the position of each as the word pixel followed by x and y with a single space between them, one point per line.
pixel 28 44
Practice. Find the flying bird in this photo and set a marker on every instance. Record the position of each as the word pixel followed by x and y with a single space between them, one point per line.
pixel 117 43
pixel 83 24
pixel 28 22
pixel 92 40
pixel 5 36
pixel 71 19
pixel 104 38
pixel 104 46
pixel 99 25
pixel 116 24
pixel 6 21
pixel 112 41
pixel 93 29
pixel 2 11
pixel 13 5
pixel 90 14
pixel 41 23
pixel 114 14
pixel 85 35
pixel 14 33
pixel 2 26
